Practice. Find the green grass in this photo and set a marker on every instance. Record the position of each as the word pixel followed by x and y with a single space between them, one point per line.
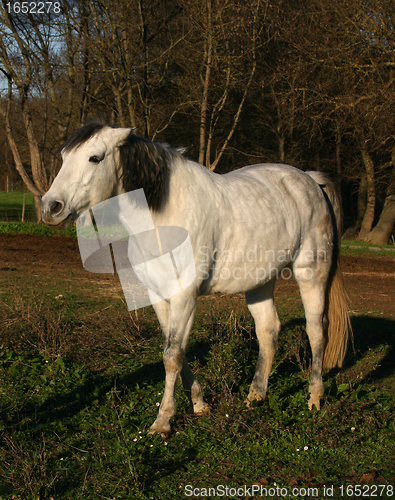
pixel 80 381
pixel 34 228
pixel 362 248
pixel 11 207
pixel 365 244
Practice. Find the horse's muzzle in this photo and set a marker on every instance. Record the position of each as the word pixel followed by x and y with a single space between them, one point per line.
pixel 54 214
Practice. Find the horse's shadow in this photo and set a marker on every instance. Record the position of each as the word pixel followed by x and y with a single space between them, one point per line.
pixel 369 334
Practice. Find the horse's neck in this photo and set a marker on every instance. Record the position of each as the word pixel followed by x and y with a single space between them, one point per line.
pixel 191 188
pixel 192 175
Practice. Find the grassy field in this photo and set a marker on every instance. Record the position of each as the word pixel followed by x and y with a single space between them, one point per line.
pixel 81 380
pixel 357 243
pixel 34 228
pixel 361 247
pixel 11 207
pixel 348 246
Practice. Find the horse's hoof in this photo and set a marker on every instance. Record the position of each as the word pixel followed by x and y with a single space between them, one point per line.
pixel 163 434
pixel 255 403
pixel 254 397
pixel 162 429
pixel 314 401
pixel 201 409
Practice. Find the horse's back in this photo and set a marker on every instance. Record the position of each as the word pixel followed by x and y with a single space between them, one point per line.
pixel 275 192
pixel 273 177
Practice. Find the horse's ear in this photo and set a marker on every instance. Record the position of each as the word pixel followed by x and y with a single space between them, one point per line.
pixel 119 135
pixel 145 165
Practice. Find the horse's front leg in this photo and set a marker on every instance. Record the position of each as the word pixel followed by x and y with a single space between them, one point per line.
pixel 175 336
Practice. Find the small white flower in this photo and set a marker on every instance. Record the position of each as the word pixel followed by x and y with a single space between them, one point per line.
pixel 352 429
pixel 141 437
pixel 306 448
pixel 151 446
pixel 157 404
pixel 159 393
pixel 62 459
pixel 274 484
pixel 135 439
pixel 227 416
pixel 139 432
pixel 297 449
pixel 165 443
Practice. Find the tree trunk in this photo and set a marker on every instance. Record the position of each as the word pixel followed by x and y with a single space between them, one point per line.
pixel 144 92
pixel 132 116
pixel 11 141
pixel 381 233
pixel 362 200
pixel 245 92
pixel 281 148
pixel 368 218
pixel 338 161
pixel 118 100
pixel 235 119
pixel 35 159
pixel 37 206
pixel 206 85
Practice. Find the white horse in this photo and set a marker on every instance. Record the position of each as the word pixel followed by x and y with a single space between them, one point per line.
pixel 246 227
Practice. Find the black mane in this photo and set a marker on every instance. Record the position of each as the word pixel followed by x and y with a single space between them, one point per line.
pixel 145 164
pixel 83 134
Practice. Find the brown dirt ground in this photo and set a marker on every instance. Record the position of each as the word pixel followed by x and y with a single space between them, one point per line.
pixel 370 280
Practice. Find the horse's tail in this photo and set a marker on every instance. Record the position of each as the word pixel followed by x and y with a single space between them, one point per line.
pixel 339 325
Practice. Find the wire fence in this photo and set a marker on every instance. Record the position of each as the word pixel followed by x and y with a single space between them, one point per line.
pixel 17 207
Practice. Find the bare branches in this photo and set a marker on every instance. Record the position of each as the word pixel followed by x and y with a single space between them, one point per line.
pixel 307 83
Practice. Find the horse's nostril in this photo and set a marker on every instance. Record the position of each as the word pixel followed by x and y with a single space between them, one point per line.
pixel 56 207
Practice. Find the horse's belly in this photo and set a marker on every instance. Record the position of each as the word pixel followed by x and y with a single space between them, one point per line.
pixel 254 270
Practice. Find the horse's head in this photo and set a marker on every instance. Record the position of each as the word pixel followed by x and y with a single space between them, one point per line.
pixel 89 175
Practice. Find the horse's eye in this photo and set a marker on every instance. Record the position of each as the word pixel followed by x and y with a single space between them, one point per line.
pixel 95 159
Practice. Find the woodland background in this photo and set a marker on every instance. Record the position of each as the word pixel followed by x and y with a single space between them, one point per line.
pixel 305 82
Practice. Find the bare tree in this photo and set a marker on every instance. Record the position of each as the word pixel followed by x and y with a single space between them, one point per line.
pixel 309 83
pixel 133 58
pixel 18 67
pixel 224 39
pixel 342 54
pixel 41 83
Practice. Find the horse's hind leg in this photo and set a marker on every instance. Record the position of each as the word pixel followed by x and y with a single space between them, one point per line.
pixel 267 325
pixel 312 284
pixel 193 390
